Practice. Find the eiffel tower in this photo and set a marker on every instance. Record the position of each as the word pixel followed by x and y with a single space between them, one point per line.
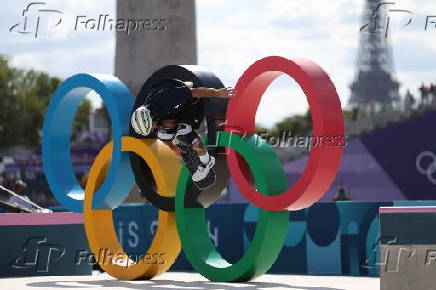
pixel 374 81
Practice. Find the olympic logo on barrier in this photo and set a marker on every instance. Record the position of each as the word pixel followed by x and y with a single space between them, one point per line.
pixel 431 166
pixel 111 176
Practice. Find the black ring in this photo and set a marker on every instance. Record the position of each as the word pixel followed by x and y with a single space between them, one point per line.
pixel 214 110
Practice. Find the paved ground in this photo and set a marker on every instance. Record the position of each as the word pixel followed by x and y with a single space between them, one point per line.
pixel 191 281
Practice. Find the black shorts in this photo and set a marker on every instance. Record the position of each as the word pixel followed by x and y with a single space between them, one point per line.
pixel 192 114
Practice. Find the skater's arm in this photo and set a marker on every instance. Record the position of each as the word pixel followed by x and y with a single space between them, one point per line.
pixel 210 92
pixel 202 92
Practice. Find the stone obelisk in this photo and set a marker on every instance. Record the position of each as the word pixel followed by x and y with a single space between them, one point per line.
pixel 165 34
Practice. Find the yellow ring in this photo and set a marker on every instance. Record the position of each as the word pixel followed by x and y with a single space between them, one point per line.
pixel 99 226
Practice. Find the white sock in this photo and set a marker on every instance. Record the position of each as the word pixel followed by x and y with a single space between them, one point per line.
pixel 204 158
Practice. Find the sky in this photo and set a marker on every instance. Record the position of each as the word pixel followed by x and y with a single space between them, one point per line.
pixel 234 34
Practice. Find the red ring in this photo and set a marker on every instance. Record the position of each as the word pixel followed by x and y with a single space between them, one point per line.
pixel 327 119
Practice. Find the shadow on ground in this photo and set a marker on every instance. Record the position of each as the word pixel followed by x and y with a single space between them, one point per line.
pixel 165 284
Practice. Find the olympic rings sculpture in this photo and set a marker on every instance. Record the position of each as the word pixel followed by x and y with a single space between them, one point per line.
pixel 111 177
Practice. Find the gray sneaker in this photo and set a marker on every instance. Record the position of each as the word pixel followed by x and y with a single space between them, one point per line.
pixel 203 170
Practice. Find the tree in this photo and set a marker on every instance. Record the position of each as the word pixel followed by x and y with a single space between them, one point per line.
pixel 81 121
pixel 299 125
pixel 24 98
pixel 8 107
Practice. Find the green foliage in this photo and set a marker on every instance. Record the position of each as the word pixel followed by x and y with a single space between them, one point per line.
pixel 300 125
pixel 81 121
pixel 297 125
pixel 24 98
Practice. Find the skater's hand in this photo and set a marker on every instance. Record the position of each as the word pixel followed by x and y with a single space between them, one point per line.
pixel 226 93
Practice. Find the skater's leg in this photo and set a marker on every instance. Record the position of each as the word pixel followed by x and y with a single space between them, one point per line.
pixel 187 137
pixel 201 150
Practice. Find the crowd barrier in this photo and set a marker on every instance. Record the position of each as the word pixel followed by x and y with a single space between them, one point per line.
pixel 334 238
pixel 45 244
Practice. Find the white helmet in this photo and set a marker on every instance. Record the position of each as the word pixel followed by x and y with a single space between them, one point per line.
pixel 141 121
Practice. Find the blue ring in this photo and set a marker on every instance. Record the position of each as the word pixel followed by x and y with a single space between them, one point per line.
pixel 56 147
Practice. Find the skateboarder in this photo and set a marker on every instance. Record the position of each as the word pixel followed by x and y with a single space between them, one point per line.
pixel 173 111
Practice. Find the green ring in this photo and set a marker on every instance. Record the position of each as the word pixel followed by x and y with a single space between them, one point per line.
pixel 271 228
